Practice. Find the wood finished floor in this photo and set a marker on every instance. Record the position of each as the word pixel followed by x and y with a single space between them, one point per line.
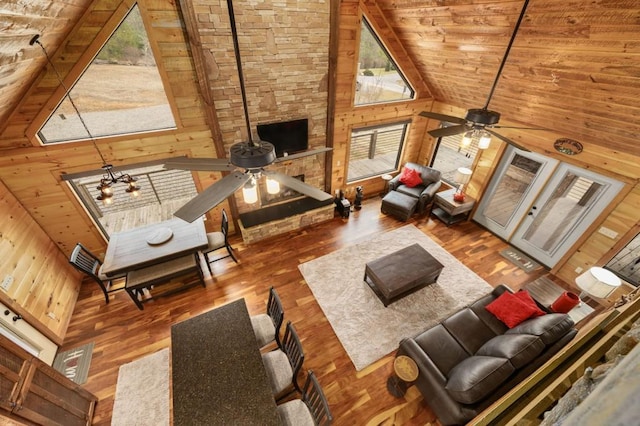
pixel 122 333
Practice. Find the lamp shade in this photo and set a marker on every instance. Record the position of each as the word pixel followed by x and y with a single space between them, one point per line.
pixel 598 282
pixel 462 176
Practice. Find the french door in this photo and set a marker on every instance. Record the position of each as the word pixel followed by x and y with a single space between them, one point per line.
pixel 542 206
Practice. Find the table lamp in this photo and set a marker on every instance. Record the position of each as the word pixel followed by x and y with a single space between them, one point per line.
pixel 597 282
pixel 462 177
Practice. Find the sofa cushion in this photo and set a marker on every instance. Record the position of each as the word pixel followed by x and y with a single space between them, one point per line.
pixel 468 330
pixel 476 377
pixel 519 349
pixel 412 192
pixel 510 309
pixel 549 328
pixel 410 177
pixel 442 348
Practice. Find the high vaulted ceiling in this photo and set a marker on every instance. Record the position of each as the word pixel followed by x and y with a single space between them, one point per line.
pixel 574 66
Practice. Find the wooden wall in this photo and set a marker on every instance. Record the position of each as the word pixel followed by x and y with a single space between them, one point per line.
pixel 347 116
pixel 45 287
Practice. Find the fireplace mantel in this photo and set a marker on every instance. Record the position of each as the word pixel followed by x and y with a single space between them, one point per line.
pixel 275 220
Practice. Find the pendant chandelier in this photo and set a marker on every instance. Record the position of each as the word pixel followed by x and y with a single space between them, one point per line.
pixel 110 176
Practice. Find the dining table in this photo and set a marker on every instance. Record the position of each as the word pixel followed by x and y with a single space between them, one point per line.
pixel 153 244
pixel 218 377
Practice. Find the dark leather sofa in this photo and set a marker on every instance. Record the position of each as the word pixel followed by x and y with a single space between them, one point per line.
pixel 471 359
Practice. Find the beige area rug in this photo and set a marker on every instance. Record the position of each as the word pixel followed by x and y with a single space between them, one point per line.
pixel 367 330
pixel 142 392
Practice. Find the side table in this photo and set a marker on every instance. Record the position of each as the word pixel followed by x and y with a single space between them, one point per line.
pixel 450 211
pixel 406 372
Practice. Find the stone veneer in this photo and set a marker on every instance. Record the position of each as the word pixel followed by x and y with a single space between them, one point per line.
pixel 291 223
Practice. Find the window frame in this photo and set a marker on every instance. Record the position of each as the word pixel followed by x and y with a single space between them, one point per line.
pixel 401 144
pixel 75 74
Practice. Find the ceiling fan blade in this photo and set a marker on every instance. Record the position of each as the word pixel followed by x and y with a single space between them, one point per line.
pixel 507 140
pixel 443 117
pixel 518 128
pixel 298 185
pixel 448 131
pixel 202 164
pixel 212 196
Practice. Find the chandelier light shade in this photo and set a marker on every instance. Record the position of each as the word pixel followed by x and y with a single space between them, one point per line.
pixel 110 177
pixel 485 140
pixel 273 186
pixel 467 139
pixel 250 192
pixel 597 282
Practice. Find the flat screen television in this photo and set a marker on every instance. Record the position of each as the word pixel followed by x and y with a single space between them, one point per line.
pixel 286 136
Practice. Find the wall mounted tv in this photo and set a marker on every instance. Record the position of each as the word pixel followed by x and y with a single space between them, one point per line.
pixel 286 136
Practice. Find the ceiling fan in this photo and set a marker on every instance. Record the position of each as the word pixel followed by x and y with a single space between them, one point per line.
pixel 479 120
pixel 252 156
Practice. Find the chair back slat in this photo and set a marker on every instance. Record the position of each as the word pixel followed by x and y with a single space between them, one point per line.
pixel 224 226
pixel 275 312
pixel 292 347
pixel 316 401
pixel 85 261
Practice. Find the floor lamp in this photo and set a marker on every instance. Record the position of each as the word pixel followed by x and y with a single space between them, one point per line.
pixel 597 282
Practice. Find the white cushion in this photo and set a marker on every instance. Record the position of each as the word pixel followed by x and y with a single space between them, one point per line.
pixel 295 413
pixel 264 329
pixel 278 369
pixel 215 240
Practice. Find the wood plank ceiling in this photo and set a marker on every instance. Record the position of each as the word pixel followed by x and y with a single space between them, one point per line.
pixel 574 66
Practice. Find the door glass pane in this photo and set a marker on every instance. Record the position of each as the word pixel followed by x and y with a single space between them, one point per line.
pixel 569 202
pixel 512 189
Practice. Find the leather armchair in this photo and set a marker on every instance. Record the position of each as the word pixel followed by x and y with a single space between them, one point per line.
pixel 424 192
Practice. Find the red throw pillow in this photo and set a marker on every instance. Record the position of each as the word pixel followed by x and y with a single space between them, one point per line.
pixel 410 177
pixel 510 309
pixel 525 297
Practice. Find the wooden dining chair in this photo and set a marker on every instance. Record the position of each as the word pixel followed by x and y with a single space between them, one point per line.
pixel 267 326
pixel 283 365
pixel 311 410
pixel 217 241
pixel 85 261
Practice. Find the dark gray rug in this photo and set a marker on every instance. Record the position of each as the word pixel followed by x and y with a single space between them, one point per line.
pixel 519 259
pixel 75 363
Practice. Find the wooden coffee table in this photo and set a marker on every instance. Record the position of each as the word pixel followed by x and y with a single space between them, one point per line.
pixel 401 273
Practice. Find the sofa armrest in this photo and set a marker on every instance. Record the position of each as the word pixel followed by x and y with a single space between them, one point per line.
pixel 430 191
pixel 394 183
pixel 431 382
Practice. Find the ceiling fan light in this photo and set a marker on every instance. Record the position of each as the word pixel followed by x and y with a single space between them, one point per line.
pixel 250 193
pixel 485 140
pixel 466 139
pixel 273 186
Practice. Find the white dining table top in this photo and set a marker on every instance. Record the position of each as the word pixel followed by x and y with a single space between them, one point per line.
pixel 152 244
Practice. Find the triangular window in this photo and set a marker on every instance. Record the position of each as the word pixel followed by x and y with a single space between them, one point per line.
pixel 119 93
pixel 379 79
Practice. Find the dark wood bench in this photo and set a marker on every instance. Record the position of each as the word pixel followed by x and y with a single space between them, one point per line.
pixel 141 281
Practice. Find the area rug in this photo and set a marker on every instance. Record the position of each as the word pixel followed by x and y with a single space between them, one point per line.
pixel 519 259
pixel 367 330
pixel 75 363
pixel 142 392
